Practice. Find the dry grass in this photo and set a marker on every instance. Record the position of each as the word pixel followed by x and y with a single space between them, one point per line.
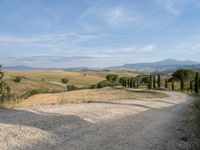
pixel 51 79
pixel 87 96
pixel 27 84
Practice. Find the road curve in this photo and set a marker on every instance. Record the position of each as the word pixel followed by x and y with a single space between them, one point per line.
pixel 103 125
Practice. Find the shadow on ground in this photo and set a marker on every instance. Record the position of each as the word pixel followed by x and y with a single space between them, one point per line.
pixel 152 129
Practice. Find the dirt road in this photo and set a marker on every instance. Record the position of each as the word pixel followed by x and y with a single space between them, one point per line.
pixel 113 125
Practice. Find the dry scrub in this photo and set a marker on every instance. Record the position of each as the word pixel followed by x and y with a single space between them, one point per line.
pixel 88 95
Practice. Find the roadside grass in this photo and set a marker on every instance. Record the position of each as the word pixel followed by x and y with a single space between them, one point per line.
pixel 88 95
pixel 195 117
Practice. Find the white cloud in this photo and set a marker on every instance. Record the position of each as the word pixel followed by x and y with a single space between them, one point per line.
pixel 44 39
pixel 148 48
pixel 174 6
pixel 118 15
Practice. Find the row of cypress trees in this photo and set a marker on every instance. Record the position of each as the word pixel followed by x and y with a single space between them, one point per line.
pixel 152 81
pixel 196 85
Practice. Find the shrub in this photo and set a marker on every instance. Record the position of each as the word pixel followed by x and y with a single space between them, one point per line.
pixel 18 79
pixel 103 83
pixel 65 81
pixel 71 87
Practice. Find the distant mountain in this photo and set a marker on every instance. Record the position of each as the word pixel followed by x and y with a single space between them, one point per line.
pixel 168 64
pixel 22 67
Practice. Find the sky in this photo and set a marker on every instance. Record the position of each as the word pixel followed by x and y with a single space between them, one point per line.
pixel 98 33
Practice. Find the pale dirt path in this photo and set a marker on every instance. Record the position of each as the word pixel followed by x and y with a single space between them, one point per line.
pixel 113 125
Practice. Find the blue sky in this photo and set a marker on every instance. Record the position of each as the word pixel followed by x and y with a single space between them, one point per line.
pixel 112 32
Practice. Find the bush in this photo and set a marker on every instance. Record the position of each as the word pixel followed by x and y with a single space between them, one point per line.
pixel 32 92
pixel 103 83
pixel 71 88
pixel 18 79
pixel 65 81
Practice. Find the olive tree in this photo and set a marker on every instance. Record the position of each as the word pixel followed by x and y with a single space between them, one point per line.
pixel 113 78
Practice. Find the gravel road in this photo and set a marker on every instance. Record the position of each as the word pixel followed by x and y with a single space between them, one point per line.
pixel 146 124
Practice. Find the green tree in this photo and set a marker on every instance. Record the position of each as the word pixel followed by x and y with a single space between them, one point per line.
pixel 65 80
pixel 185 74
pixel 154 82
pixel 123 81
pixel 145 80
pixel 5 92
pixel 159 80
pixel 113 78
pixel 191 86
pixel 182 77
pixel 197 82
pixel 150 82
pixel 166 83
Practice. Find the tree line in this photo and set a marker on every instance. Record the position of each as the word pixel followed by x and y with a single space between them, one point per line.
pixel 181 77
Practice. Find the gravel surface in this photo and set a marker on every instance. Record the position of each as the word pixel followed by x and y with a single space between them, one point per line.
pixel 100 125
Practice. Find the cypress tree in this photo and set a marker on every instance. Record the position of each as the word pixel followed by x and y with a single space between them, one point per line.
pixel 150 82
pixel 154 82
pixel 166 83
pixel 191 86
pixel 172 85
pixel 182 85
pixel 197 83
pixel 159 80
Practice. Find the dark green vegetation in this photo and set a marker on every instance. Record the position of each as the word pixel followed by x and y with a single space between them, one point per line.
pixel 71 88
pixel 103 84
pixel 197 83
pixel 5 92
pixel 17 79
pixel 159 81
pixel 65 80
pixel 113 78
pixel 55 81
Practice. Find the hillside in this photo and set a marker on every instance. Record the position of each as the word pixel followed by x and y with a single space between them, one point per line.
pixel 51 79
pixel 164 65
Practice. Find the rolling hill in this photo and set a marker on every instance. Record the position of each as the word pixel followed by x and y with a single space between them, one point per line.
pixel 164 65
